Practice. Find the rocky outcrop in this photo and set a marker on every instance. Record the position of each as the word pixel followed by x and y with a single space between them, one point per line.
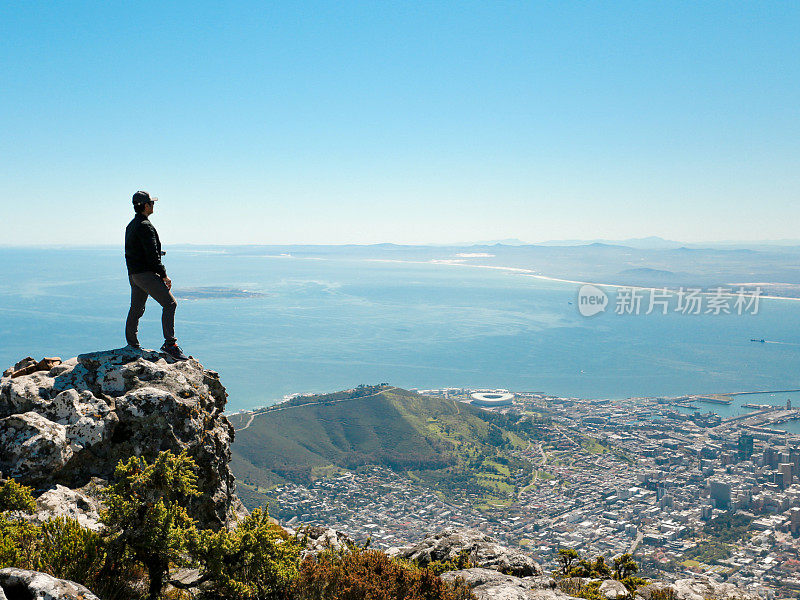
pixel 481 549
pixel 488 584
pixel 82 504
pixel 699 587
pixel 79 419
pixel 612 589
pixel 32 585
pixel 319 539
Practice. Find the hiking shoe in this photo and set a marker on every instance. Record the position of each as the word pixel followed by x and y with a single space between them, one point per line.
pixel 174 351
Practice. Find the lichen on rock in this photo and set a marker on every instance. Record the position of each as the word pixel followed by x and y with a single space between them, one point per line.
pixel 22 583
pixel 489 584
pixel 79 419
pixel 482 550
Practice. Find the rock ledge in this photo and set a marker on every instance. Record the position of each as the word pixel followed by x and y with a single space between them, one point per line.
pixel 76 421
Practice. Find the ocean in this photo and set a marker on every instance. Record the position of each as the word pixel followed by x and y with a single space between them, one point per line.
pixel 277 324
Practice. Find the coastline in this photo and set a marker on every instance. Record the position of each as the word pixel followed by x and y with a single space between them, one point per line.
pixel 535 275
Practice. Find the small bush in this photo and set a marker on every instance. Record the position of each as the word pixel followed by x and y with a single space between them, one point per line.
pixel 257 560
pixel 18 543
pixel 70 551
pixel 660 593
pixel 462 561
pixel 146 516
pixel 574 586
pixel 370 575
pixel 63 548
pixel 14 496
pixel 633 583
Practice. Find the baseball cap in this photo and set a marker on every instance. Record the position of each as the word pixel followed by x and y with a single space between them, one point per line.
pixel 141 197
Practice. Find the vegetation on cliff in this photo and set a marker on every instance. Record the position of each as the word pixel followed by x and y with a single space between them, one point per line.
pixel 149 533
pixel 582 577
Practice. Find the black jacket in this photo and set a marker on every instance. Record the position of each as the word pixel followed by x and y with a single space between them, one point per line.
pixel 142 247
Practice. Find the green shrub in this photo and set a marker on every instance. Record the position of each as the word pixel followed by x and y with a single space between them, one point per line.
pixel 258 559
pixel 18 543
pixel 589 590
pixel 595 569
pixel 567 557
pixel 146 516
pixel 633 583
pixel 14 496
pixel 574 586
pixel 63 548
pixel 462 561
pixel 625 567
pixel 357 574
pixel 660 593
pixel 575 569
pixel 70 551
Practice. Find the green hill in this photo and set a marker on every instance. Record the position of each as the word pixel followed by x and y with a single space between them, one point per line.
pixel 456 448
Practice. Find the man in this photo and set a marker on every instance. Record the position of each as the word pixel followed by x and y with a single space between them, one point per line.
pixel 147 276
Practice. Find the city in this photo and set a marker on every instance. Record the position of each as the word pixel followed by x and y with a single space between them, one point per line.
pixel 686 492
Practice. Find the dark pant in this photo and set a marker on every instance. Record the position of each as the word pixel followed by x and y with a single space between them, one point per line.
pixel 142 286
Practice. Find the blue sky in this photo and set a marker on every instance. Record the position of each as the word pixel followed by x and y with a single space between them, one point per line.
pixel 434 122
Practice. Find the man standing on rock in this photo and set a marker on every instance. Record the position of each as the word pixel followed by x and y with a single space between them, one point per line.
pixel 147 276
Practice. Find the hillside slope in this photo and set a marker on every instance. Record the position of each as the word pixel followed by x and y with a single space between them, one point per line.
pixel 457 448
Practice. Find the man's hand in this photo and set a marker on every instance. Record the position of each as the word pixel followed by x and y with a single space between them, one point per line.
pixel 168 282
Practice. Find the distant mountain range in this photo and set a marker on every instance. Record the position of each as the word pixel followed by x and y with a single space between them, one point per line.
pixel 652 242
pixel 658 243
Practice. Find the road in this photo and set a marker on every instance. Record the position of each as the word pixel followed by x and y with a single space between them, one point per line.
pixel 252 416
pixel 535 470
pixel 636 542
pixel 279 407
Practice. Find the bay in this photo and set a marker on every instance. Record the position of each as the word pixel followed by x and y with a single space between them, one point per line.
pixel 317 324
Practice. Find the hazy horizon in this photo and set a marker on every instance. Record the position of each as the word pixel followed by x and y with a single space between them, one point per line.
pixel 507 242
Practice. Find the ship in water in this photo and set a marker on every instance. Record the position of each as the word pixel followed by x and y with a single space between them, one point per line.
pixel 761 341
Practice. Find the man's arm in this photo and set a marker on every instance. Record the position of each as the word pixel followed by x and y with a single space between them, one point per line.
pixel 147 236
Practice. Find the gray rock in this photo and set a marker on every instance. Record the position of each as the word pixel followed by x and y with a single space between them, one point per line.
pixel 645 592
pixel 82 504
pixel 21 583
pixel 702 587
pixel 699 587
pixel 78 420
pixel 32 445
pixel 484 551
pixel 319 539
pixel 612 589
pixel 488 584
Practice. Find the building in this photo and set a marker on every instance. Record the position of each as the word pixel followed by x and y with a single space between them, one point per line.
pixel 745 446
pixel 720 492
pixel 490 398
pixel 785 471
pixel 794 520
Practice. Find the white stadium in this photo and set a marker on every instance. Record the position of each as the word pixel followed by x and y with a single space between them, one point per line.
pixel 489 398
